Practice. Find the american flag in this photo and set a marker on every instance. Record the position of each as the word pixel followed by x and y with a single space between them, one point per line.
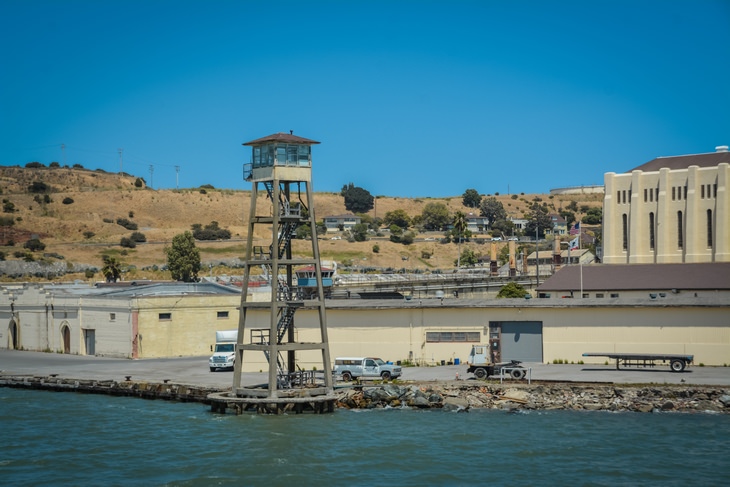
pixel 576 229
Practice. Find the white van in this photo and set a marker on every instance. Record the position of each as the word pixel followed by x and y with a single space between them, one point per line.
pixel 355 367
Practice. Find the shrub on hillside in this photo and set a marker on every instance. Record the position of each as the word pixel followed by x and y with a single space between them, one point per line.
pixel 78 166
pixel 39 187
pixel 34 245
pixel 54 164
pixel 138 237
pixel 127 242
pixel 67 201
pixel 139 183
pixel 8 206
pixel 107 220
pixel 34 165
pixel 127 224
pixel 88 234
pixel 211 232
pixel 6 221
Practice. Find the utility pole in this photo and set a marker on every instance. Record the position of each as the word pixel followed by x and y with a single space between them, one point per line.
pixel 63 151
pixel 152 170
pixel 120 160
pixel 537 254
pixel 177 174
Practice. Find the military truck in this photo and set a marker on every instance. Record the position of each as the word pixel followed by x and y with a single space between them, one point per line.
pixel 480 364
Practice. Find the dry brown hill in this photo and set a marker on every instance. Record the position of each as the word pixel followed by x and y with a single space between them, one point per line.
pixel 100 198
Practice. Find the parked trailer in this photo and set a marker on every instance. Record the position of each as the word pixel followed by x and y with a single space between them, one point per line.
pixel 677 362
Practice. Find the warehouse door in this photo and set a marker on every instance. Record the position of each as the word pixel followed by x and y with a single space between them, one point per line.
pixel 521 340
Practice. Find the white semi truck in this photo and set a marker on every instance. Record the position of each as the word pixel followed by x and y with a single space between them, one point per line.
pixel 224 353
pixel 480 364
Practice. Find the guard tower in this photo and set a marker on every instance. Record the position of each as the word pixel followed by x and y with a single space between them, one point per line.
pixel 281 165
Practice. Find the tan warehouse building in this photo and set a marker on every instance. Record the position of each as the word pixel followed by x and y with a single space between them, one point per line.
pixel 170 320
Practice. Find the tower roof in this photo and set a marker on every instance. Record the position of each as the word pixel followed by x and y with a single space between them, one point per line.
pixel 709 159
pixel 282 137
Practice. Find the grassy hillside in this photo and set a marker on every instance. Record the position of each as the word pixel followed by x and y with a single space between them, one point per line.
pixel 100 198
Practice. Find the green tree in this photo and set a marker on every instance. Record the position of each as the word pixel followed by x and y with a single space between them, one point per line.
pixel 593 216
pixel 471 198
pixel 572 206
pixel 502 228
pixel 397 217
pixel 569 217
pixel 359 232
pixel 538 215
pixel 358 200
pixel 468 258
pixel 435 216
pixel 183 258
pixel 512 290
pixel 493 210
pixel 459 232
pixel 112 269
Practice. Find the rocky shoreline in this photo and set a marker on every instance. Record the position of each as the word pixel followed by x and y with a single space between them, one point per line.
pixel 457 396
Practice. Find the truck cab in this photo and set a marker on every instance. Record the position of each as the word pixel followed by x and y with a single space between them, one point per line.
pixel 224 353
pixel 480 364
pixel 350 368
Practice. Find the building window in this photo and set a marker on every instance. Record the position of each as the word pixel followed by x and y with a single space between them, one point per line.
pixel 112 316
pixel 614 295
pixel 222 315
pixel 680 231
pixel 714 189
pixel 624 196
pixel 625 229
pixel 586 295
pixel 165 316
pixel 651 230
pixel 709 228
pixel 674 193
pixel 452 336
pixel 646 198
pixel 685 191
pixel 599 295
pixel 702 191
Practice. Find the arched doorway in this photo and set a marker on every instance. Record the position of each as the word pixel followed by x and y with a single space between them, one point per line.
pixel 66 335
pixel 13 336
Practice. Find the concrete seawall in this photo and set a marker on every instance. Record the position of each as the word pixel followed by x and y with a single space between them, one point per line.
pixel 447 395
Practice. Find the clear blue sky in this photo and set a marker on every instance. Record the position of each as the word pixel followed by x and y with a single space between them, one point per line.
pixel 409 98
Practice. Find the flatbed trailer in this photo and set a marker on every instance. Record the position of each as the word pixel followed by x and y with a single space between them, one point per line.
pixel 677 362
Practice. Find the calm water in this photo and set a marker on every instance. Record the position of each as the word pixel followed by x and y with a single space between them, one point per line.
pixel 52 438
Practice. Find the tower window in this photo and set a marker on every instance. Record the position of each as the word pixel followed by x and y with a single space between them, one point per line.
pixel 680 239
pixel 651 231
pixel 709 228
pixel 625 228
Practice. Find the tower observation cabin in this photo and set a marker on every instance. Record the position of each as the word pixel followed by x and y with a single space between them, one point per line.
pixel 281 165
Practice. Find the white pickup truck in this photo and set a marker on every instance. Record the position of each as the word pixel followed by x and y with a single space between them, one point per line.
pixel 366 367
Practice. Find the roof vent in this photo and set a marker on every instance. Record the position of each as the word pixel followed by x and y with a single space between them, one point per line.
pixel 721 148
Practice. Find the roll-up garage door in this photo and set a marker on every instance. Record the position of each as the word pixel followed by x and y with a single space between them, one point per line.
pixel 522 340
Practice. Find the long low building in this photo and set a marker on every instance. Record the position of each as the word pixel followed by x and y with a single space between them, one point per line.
pixel 171 320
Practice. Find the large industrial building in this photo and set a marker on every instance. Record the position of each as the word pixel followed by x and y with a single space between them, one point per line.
pixel 669 210
pixel 177 319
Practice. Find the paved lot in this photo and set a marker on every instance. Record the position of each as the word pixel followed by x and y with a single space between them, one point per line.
pixel 194 371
